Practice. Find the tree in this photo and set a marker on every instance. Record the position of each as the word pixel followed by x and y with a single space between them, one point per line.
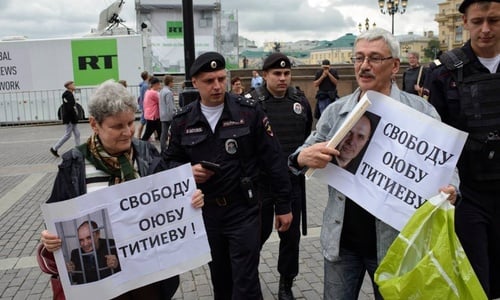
pixel 432 49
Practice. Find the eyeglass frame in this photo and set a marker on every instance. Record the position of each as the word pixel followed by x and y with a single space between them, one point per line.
pixel 371 60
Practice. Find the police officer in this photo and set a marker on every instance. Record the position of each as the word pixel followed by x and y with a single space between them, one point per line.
pixel 228 139
pixel 290 114
pixel 464 89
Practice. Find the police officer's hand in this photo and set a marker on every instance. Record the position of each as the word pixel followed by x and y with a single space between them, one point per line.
pixel 201 175
pixel 197 200
pixel 51 242
pixel 316 156
pixel 283 222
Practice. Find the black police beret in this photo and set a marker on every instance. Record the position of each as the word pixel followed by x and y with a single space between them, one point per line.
pixel 276 61
pixel 466 4
pixel 208 62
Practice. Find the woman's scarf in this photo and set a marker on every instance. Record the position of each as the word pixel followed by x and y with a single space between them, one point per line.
pixel 120 168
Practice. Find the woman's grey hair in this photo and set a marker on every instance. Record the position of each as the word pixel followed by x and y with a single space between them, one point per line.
pixel 109 99
pixel 381 34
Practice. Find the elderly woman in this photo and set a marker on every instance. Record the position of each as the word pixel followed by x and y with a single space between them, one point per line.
pixel 110 156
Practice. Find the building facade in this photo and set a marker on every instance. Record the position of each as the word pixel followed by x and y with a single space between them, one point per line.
pixel 338 51
pixel 451 29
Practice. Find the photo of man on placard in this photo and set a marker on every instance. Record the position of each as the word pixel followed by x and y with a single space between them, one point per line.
pixel 354 144
pixel 95 257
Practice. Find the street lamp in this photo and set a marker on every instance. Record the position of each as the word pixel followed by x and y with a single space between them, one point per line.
pixel 367 25
pixel 392 7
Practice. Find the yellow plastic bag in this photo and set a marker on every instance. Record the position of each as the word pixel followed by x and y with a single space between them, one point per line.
pixel 427 261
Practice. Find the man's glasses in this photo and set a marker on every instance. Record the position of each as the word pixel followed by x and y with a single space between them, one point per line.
pixel 359 59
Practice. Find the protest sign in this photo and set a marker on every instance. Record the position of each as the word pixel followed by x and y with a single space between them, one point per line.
pixel 408 158
pixel 148 224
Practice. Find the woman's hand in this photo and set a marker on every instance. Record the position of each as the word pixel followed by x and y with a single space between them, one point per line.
pixel 198 199
pixel 50 241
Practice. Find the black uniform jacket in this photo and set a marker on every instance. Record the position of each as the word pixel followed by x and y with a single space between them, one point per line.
pixel 243 143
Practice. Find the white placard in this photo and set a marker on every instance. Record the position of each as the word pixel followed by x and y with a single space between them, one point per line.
pixel 408 158
pixel 158 234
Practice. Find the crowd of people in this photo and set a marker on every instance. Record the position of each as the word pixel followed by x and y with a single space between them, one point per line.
pixel 249 151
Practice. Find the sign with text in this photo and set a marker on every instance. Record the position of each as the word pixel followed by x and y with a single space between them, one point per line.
pixel 407 158
pixel 15 72
pixel 95 61
pixel 148 224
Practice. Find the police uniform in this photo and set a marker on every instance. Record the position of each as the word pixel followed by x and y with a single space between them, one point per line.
pixel 291 117
pixel 242 143
pixel 467 98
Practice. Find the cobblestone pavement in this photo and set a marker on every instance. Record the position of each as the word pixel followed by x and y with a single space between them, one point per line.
pixel 27 172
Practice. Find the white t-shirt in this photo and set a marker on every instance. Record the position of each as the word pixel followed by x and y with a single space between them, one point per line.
pixel 491 63
pixel 212 113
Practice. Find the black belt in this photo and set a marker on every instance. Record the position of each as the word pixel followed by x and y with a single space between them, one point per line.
pixel 226 200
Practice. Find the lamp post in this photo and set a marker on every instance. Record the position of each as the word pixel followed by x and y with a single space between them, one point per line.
pixel 367 25
pixel 392 7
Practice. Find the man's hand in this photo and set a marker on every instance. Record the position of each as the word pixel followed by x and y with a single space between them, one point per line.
pixel 111 261
pixel 316 156
pixel 70 266
pixel 201 175
pixel 283 222
pixel 51 242
pixel 451 191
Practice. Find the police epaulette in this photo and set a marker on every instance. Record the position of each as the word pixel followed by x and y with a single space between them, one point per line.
pixel 247 101
pixel 182 111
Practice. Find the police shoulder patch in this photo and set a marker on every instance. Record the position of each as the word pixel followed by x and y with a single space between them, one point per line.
pixel 247 102
pixel 182 111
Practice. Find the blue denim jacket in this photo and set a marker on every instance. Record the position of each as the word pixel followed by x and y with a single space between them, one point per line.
pixel 333 216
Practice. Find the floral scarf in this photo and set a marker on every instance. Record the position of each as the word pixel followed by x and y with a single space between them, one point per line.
pixel 120 168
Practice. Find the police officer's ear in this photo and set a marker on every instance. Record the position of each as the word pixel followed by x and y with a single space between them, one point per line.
pixel 264 75
pixel 194 82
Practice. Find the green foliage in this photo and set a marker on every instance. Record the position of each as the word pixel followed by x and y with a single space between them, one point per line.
pixel 432 49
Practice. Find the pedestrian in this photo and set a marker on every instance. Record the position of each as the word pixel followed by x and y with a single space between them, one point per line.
pixel 354 241
pixel 236 87
pixel 414 76
pixel 110 156
pixel 143 87
pixel 290 114
pixel 326 81
pixel 229 141
pixel 256 80
pixel 151 108
pixel 69 117
pixel 167 107
pixel 464 88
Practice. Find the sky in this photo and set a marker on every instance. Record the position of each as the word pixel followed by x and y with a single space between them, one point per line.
pixel 260 20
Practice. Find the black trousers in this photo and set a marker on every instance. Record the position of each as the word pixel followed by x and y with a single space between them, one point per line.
pixel 288 259
pixel 151 126
pixel 234 239
pixel 477 224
